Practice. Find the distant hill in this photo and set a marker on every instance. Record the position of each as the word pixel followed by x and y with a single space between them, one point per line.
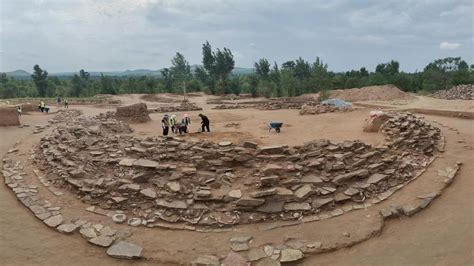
pixel 18 73
pixel 22 74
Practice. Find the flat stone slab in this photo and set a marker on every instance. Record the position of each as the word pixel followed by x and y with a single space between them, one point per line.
pixel 312 179
pixel 317 203
pixel 263 193
pixel 297 206
pixel 235 194
pixel 225 143
pixel 375 178
pixel 176 204
pixel 54 221
pixel 249 144
pixel 67 228
pixel 103 241
pixel 249 202
pixel 304 192
pixel 148 192
pixel 125 250
pixel 272 150
pixel 88 232
pixel 145 163
pixel 256 254
pixel 127 162
pixel 240 243
pixel 271 207
pixel 288 255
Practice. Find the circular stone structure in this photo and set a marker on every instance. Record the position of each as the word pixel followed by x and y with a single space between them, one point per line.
pixel 173 182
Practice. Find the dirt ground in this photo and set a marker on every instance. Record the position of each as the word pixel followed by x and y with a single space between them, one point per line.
pixel 440 235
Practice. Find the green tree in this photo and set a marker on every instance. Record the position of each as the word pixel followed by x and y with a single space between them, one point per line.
pixel 262 69
pixel 320 77
pixel 167 75
pixel 77 85
pixel 84 75
pixel 216 68
pixel 388 69
pixel 106 85
pixel 275 76
pixel 180 71
pixel 40 78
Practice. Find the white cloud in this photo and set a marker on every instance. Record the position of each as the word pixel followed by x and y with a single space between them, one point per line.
pixel 449 45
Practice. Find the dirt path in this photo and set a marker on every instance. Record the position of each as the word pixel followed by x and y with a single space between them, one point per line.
pixel 23 239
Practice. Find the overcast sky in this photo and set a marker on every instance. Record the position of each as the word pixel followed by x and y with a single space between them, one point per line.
pixel 109 35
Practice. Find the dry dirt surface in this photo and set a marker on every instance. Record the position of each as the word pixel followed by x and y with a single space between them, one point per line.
pixel 442 234
pixel 371 93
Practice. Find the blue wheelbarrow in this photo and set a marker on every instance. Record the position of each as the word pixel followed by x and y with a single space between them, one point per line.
pixel 275 125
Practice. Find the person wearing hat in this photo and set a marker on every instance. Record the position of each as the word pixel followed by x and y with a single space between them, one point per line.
pixel 185 122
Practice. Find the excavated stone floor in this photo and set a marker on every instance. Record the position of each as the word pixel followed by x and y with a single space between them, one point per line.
pixel 174 183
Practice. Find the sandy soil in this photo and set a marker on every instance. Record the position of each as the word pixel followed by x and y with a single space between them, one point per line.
pixel 443 234
pixel 429 103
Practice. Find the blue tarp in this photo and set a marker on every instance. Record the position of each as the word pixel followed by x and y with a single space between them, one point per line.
pixel 337 102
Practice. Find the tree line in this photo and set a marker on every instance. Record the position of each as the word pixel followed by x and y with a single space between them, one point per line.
pixel 214 76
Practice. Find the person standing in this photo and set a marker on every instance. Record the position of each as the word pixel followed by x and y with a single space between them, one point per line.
pixel 18 110
pixel 59 101
pixel 185 122
pixel 173 126
pixel 204 122
pixel 165 124
pixel 42 106
pixel 66 104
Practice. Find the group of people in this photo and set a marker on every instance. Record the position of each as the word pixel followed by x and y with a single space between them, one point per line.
pixel 66 103
pixel 43 107
pixel 180 127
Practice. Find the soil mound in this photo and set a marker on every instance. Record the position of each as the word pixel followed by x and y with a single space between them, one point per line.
pixel 459 92
pixel 371 93
pixel 133 113
pixel 9 117
pixel 184 106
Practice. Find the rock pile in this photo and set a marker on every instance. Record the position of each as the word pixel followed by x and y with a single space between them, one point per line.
pixel 310 109
pixel 184 106
pixel 133 113
pixel 276 105
pixel 406 132
pixel 233 106
pixel 459 92
pixel 267 105
pixel 65 115
pixel 172 183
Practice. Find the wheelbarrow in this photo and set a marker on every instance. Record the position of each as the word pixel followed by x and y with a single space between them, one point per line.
pixel 275 125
